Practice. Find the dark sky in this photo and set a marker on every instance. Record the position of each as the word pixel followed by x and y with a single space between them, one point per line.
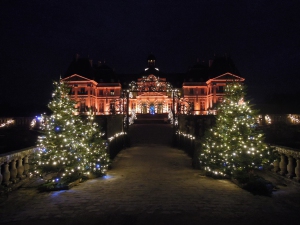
pixel 39 38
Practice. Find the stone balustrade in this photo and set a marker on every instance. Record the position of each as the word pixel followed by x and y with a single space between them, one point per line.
pixel 289 163
pixel 14 166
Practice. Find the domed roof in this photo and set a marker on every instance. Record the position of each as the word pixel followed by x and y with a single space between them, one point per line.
pixel 221 65
pixel 100 72
pixel 151 57
pixel 81 66
pixel 104 73
pixel 197 73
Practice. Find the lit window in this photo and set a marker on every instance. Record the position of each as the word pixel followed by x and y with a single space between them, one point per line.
pixel 101 107
pixel 202 105
pixel 112 92
pixel 82 91
pixel 221 89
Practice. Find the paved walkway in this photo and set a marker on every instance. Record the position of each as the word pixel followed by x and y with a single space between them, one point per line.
pixel 151 183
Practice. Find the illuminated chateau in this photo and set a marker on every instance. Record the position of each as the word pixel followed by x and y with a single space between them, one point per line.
pixel 98 89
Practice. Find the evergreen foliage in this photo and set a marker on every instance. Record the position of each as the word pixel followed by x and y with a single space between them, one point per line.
pixel 234 147
pixel 70 147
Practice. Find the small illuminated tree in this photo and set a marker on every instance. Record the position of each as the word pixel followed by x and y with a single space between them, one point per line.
pixel 69 148
pixel 234 146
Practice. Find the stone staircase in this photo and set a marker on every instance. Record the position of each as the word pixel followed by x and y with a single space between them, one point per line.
pixel 152 119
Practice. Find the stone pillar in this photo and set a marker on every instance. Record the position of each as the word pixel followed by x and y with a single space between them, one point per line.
pixel 290 167
pixel 214 94
pixel 6 174
pixel 26 166
pixel 20 168
pixel 282 164
pixel 297 170
pixel 13 171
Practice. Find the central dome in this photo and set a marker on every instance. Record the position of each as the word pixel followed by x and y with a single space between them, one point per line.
pixel 151 57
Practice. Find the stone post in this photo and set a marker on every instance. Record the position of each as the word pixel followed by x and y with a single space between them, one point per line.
pixel 276 166
pixel 6 174
pixel 20 168
pixel 13 171
pixel 26 165
pixel 290 167
pixel 282 164
pixel 297 170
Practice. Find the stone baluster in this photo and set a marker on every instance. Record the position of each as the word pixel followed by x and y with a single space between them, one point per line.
pixel 20 168
pixel 276 166
pixel 290 167
pixel 297 170
pixel 1 177
pixel 26 165
pixel 282 165
pixel 6 174
pixel 13 171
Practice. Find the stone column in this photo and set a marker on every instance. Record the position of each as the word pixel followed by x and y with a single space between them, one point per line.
pixel 297 170
pixel 282 164
pixel 214 94
pixel 13 171
pixel 6 174
pixel 20 168
pixel 290 167
pixel 26 165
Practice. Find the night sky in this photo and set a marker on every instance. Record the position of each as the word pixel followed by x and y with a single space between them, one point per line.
pixel 38 40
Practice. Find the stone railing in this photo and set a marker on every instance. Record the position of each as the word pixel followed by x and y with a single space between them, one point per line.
pixel 289 163
pixel 14 166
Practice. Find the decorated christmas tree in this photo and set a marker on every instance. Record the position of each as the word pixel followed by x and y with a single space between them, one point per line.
pixel 70 147
pixel 234 146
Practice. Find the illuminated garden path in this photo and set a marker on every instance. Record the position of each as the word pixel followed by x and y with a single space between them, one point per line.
pixel 150 183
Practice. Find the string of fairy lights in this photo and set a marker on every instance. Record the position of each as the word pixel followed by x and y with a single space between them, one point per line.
pixel 150 83
pixel 294 119
pixel 110 139
pixel 7 123
pixel 189 136
pixel 268 119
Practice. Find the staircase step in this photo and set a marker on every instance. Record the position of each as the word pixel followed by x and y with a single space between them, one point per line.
pixel 151 119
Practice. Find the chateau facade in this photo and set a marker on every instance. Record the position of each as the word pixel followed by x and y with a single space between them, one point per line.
pixel 97 89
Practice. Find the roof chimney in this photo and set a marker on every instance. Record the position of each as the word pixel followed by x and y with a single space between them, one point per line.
pixel 76 57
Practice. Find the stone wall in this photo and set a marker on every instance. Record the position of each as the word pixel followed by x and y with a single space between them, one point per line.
pixel 110 124
pixel 195 125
